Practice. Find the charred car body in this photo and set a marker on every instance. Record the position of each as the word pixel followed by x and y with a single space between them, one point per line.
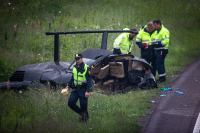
pixel 107 69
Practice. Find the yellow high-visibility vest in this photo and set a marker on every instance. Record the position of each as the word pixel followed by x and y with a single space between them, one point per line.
pixel 162 36
pixel 79 78
pixel 123 42
pixel 144 37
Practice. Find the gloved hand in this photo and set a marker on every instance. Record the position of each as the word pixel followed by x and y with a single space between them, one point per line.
pixel 116 51
pixel 157 44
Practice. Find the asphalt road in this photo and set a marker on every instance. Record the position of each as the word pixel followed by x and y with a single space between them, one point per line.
pixel 177 113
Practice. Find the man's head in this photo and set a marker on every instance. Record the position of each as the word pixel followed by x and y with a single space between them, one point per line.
pixel 132 35
pixel 78 58
pixel 157 24
pixel 150 27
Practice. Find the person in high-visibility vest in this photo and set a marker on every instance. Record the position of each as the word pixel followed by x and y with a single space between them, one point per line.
pixel 143 40
pixel 161 44
pixel 81 82
pixel 124 42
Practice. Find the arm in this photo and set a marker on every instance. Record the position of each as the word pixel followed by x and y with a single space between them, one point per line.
pixel 117 43
pixel 165 36
pixel 139 42
pixel 89 82
pixel 130 46
pixel 89 79
pixel 140 45
pixel 116 51
pixel 71 81
pixel 165 40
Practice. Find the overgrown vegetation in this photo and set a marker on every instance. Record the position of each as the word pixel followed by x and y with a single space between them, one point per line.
pixel 45 110
pixel 23 41
pixel 5 70
pixel 24 23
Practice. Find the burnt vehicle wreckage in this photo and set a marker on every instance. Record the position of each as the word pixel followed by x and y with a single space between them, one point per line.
pixel 116 72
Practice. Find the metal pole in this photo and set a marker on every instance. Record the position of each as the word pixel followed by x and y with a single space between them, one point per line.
pixel 104 40
pixel 56 49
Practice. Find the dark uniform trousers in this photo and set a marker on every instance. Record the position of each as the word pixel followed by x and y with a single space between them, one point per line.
pixel 75 95
pixel 153 64
pixel 149 56
pixel 160 66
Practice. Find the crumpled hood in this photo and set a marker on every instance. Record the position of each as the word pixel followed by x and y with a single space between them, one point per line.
pixel 145 64
pixel 45 66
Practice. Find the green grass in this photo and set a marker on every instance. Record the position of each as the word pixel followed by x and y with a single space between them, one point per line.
pixel 181 18
pixel 31 111
pixel 46 110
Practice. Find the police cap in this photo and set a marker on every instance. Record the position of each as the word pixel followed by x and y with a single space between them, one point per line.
pixel 78 56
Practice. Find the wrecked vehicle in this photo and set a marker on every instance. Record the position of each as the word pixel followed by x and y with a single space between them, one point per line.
pixel 108 70
pixel 117 72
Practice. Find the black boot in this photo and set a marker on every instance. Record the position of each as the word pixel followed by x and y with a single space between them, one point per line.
pixel 80 118
pixel 161 80
pixel 83 117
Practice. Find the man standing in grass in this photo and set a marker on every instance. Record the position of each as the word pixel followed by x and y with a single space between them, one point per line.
pixel 143 40
pixel 124 42
pixel 81 82
pixel 161 44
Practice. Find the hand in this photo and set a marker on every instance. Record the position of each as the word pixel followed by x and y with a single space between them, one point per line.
pixel 87 94
pixel 68 88
pixel 145 48
pixel 154 42
pixel 145 44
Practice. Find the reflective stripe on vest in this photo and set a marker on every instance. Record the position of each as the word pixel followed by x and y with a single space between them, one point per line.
pixel 79 77
pixel 116 47
pixel 161 48
pixel 145 40
pixel 123 52
pixel 138 38
pixel 123 48
pixel 161 39
pixel 84 81
pixel 117 42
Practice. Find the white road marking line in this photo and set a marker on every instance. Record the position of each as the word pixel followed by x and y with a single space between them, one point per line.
pixel 197 125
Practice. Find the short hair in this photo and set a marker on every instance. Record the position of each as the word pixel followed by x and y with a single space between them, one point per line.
pixel 157 21
pixel 150 24
pixel 134 29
